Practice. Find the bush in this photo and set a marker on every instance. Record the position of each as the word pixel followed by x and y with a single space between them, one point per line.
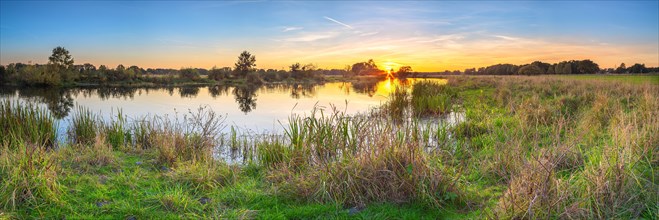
pixel 189 73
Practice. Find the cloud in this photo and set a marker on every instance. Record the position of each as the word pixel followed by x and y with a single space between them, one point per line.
pixel 368 34
pixel 287 29
pixel 309 37
pixel 507 37
pixel 338 22
pixel 444 38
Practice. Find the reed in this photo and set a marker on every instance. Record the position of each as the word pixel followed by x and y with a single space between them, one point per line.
pixel 22 123
pixel 431 98
pixel 84 127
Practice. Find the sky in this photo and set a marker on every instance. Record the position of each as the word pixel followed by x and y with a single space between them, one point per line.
pixel 426 35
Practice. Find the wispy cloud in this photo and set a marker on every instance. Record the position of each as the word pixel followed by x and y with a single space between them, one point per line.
pixel 444 38
pixel 507 37
pixel 368 33
pixel 309 37
pixel 338 22
pixel 287 29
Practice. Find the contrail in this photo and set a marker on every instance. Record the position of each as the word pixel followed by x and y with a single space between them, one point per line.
pixel 338 22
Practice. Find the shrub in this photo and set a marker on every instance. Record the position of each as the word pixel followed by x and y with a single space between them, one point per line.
pixel 189 73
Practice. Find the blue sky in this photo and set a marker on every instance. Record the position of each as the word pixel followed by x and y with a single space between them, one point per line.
pixel 428 35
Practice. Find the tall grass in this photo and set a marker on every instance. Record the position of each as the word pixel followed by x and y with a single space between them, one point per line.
pixel 28 176
pixel 84 127
pixel 353 160
pixel 432 98
pixel 25 123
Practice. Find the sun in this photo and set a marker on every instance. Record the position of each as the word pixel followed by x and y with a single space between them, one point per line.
pixel 390 66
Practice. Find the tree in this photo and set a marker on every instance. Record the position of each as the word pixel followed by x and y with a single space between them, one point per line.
pixel 404 71
pixel 365 68
pixel 530 70
pixel 246 63
pixel 3 74
pixel 295 67
pixel 638 68
pixel 61 58
pixel 621 69
pixel 60 67
pixel 543 66
pixel 587 66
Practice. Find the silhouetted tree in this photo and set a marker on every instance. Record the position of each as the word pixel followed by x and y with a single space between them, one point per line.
pixel 404 71
pixel 3 74
pixel 621 69
pixel 245 64
pixel 638 68
pixel 61 58
pixel 365 68
pixel 587 67
pixel 530 69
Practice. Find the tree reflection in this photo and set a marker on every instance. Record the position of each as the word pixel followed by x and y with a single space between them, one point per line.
pixel 367 87
pixel 245 97
pixel 303 90
pixel 218 90
pixel 58 100
pixel 188 91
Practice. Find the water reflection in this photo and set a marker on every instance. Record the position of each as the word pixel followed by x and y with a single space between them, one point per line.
pixel 245 97
pixel 59 101
pixel 188 91
pixel 302 90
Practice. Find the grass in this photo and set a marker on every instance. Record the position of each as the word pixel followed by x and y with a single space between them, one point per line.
pixel 22 124
pixel 431 98
pixel 526 148
pixel 633 79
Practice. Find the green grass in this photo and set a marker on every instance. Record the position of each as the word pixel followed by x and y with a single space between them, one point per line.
pixel 22 124
pixel 626 78
pixel 140 188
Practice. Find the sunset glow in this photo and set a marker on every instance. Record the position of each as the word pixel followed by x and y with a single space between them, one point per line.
pixel 428 36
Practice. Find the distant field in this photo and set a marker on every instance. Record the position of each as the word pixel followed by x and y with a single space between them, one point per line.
pixel 635 79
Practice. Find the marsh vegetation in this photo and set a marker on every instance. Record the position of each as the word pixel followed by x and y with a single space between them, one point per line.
pixel 525 148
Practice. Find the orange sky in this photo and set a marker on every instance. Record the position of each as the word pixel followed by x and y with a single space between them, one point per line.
pixel 429 36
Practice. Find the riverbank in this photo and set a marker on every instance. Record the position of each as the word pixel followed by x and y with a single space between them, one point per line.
pixel 582 149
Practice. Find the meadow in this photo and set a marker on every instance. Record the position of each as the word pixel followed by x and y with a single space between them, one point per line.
pixel 527 148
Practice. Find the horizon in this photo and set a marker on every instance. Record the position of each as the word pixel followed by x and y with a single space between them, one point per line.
pixel 428 36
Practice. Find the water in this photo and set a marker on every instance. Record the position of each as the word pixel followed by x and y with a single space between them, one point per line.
pixel 254 109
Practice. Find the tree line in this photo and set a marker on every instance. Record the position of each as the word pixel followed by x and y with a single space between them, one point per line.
pixel 61 70
pixel 563 67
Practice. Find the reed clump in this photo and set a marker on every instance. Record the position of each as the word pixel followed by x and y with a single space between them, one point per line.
pixel 84 127
pixel 22 123
pixel 191 139
pixel 432 98
pixel 375 161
